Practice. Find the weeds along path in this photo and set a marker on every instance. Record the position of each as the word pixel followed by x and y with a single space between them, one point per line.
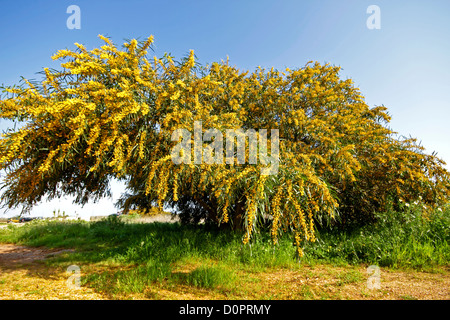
pixel 25 275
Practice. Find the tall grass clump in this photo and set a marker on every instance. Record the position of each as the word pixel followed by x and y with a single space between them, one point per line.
pixel 414 238
pixel 210 277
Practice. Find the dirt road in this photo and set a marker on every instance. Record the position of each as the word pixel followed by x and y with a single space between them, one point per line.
pixel 25 276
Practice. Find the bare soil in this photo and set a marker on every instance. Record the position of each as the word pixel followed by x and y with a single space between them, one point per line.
pixel 25 276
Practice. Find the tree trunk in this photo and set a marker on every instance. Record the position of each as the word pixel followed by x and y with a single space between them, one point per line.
pixel 238 215
pixel 212 211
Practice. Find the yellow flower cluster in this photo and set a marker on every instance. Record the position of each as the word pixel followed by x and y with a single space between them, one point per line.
pixel 256 194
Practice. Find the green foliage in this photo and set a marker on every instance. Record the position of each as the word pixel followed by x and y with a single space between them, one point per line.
pixel 397 239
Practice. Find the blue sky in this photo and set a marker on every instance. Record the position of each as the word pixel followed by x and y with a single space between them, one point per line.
pixel 404 65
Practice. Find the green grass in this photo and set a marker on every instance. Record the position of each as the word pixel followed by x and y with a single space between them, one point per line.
pixel 352 276
pixel 210 277
pixel 397 240
pixel 144 254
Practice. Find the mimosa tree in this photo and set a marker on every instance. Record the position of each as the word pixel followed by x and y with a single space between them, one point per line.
pixel 111 113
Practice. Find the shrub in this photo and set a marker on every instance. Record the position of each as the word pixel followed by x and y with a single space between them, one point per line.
pixel 111 113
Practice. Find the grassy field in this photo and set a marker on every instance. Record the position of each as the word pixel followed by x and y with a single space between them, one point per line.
pixel 123 258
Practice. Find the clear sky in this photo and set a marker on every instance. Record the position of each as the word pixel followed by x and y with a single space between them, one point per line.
pixel 404 65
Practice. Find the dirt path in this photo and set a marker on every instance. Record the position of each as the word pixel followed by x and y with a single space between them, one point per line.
pixel 25 276
pixel 352 282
